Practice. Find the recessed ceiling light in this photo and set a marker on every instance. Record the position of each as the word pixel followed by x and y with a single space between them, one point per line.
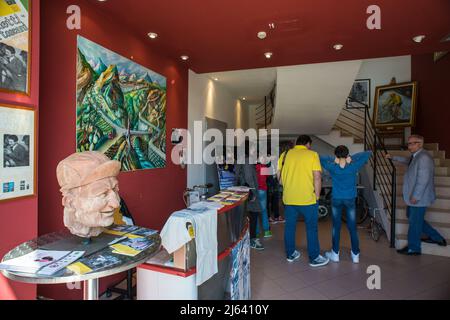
pixel 338 46
pixel 244 98
pixel 262 35
pixel 216 79
pixel 419 38
pixel 268 55
pixel 184 57
pixel 152 35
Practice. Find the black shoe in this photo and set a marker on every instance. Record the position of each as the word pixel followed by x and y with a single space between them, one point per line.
pixel 442 243
pixel 407 252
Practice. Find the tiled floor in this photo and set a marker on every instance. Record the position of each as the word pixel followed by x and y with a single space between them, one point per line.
pixel 402 277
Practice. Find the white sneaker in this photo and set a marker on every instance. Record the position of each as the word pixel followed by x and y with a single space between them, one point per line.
pixel 333 256
pixel 355 257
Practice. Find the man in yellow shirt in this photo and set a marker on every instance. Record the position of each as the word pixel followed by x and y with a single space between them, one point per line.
pixel 300 173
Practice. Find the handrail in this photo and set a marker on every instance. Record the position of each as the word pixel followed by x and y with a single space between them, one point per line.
pixel 265 112
pixel 384 170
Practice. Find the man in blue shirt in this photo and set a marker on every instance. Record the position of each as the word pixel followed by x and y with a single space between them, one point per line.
pixel 343 170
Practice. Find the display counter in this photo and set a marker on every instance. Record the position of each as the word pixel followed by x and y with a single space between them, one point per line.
pixel 162 279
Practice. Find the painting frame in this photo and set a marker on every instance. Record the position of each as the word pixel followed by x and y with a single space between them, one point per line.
pixel 27 91
pixel 23 124
pixel 368 99
pixel 398 93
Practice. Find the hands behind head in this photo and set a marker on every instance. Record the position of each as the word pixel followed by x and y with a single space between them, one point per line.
pixel 349 160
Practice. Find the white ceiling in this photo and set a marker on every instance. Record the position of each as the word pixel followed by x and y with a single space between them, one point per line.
pixel 253 84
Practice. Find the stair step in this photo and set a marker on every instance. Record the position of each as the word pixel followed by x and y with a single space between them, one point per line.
pixel 440 203
pixel 441 191
pixel 431 146
pixel 438 171
pixel 432 215
pixel 427 248
pixel 402 227
pixel 407 154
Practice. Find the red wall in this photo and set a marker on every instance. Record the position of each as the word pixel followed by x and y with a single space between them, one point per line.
pixel 434 99
pixel 19 218
pixel 151 195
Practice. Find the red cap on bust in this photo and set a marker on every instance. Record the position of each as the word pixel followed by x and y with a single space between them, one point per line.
pixel 81 169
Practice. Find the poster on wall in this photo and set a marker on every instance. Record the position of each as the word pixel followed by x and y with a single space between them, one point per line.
pixel 360 94
pixel 121 108
pixel 15 22
pixel 17 155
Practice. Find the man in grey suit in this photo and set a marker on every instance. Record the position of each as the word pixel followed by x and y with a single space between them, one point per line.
pixel 418 193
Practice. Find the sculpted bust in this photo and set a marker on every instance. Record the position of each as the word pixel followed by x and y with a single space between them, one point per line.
pixel 90 192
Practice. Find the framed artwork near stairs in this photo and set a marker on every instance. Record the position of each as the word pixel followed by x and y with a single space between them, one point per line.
pixel 361 91
pixel 395 106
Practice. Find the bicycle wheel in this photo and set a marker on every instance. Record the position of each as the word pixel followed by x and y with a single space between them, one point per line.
pixel 362 210
pixel 375 231
pixel 323 211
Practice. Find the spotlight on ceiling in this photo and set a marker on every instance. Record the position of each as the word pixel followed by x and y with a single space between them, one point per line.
pixel 184 57
pixel 216 79
pixel 419 38
pixel 262 35
pixel 271 25
pixel 338 46
pixel 152 35
pixel 268 55
pixel 244 98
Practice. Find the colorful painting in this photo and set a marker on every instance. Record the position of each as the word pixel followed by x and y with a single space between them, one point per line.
pixel 121 108
pixel 395 105
pixel 15 45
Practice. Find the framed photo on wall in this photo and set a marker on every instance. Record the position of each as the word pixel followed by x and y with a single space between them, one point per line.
pixel 18 152
pixel 15 46
pixel 395 105
pixel 361 92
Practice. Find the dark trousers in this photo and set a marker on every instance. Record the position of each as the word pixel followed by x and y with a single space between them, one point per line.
pixel 273 197
pixel 253 217
pixel 418 226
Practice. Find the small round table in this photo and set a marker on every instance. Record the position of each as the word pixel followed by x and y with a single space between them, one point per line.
pixel 64 241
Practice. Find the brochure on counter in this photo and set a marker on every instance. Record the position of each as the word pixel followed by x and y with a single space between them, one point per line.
pixel 42 262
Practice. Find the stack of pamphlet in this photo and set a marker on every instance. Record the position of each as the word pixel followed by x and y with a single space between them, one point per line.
pixel 94 263
pixel 42 262
pixel 132 247
pixel 132 232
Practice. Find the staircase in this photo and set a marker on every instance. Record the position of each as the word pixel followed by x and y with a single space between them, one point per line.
pixel 354 129
pixel 438 215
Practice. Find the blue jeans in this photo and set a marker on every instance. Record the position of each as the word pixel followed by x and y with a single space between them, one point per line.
pixel 350 207
pixel 262 197
pixel 311 215
pixel 417 226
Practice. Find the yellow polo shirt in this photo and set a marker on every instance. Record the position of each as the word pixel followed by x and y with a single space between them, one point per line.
pixel 297 176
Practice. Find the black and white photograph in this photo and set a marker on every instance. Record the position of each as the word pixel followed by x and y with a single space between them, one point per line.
pixel 13 68
pixel 16 151
pixel 14 46
pixel 360 94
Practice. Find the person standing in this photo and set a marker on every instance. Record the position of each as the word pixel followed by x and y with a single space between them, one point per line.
pixel 262 197
pixel 418 194
pixel 300 173
pixel 344 172
pixel 273 194
pixel 246 176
